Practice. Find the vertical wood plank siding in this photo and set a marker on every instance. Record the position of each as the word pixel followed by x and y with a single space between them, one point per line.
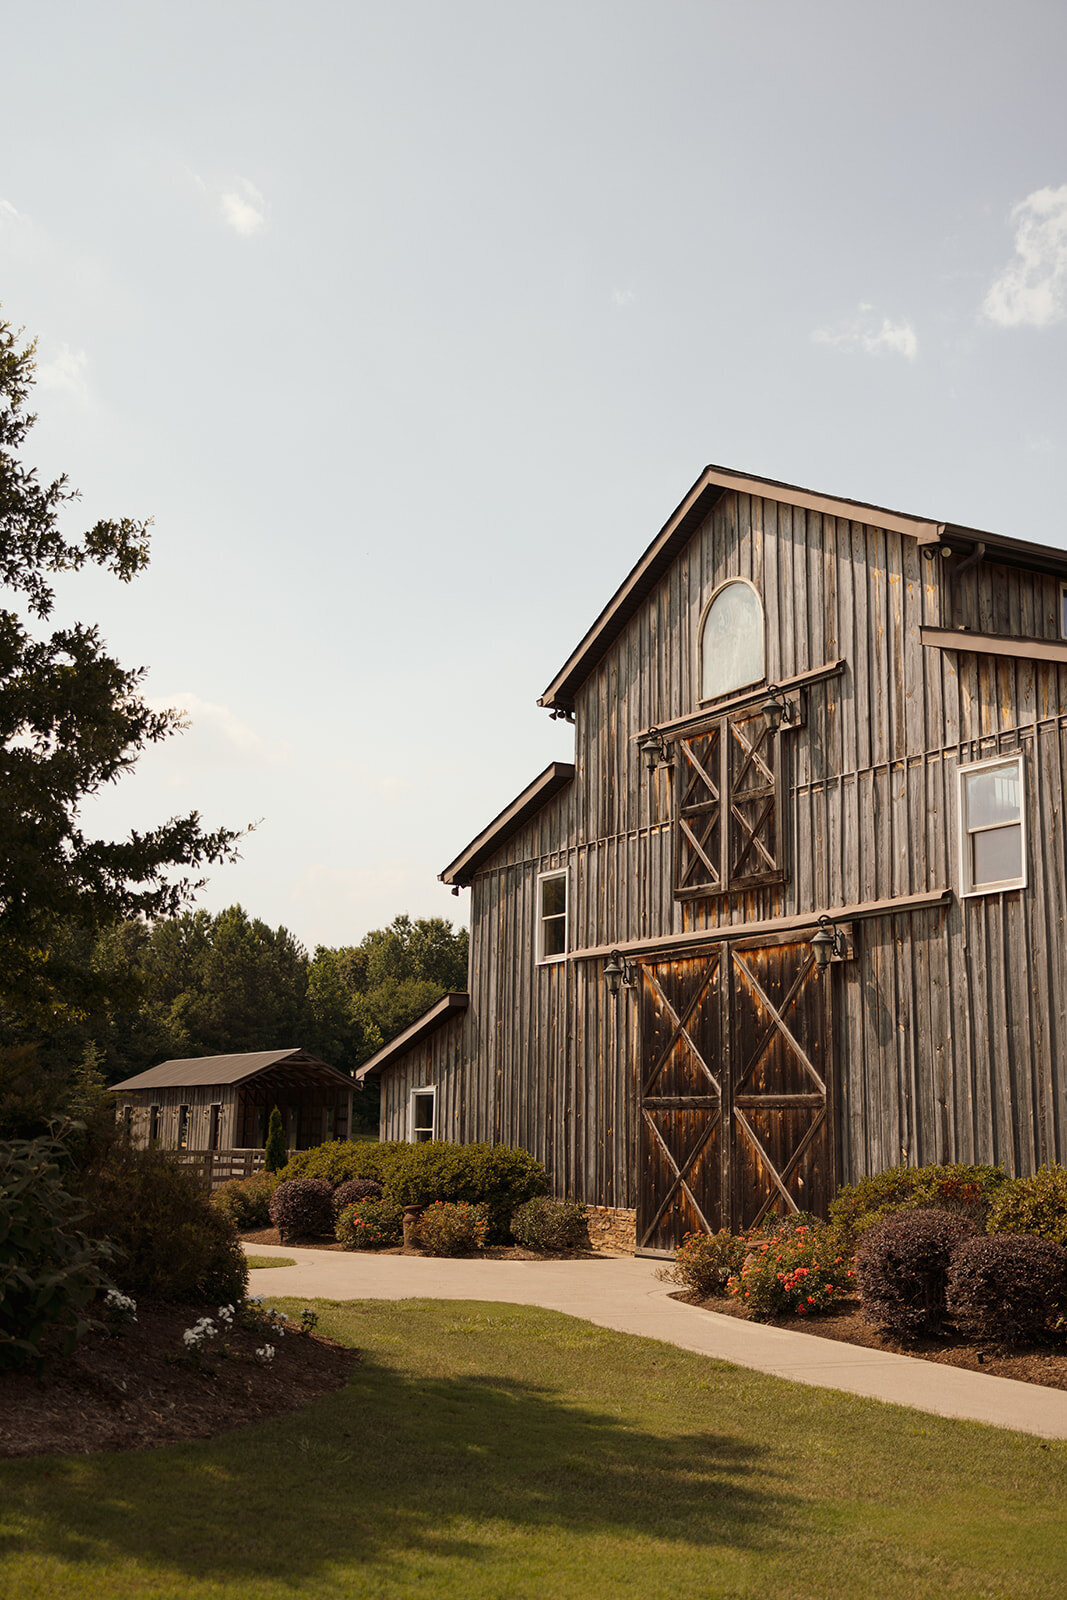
pixel 950 1024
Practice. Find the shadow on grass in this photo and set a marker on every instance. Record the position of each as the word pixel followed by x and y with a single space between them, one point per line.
pixel 393 1467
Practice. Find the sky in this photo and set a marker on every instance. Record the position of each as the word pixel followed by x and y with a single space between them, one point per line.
pixel 409 324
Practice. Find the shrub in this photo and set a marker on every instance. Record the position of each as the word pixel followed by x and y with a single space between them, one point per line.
pixel 1035 1205
pixel 452 1228
pixel 246 1201
pixel 966 1190
pixel 902 1267
pixel 342 1159
pixel 797 1271
pixel 493 1175
pixel 171 1243
pixel 353 1190
pixel 704 1262
pixel 302 1208
pixel 49 1270
pixel 370 1225
pixel 1009 1287
pixel 274 1153
pixel 544 1224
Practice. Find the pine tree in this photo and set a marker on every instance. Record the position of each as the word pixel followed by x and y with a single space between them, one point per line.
pixel 275 1155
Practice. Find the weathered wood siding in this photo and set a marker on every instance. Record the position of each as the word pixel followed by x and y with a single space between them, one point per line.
pixel 437 1062
pixel 304 1114
pixel 951 1024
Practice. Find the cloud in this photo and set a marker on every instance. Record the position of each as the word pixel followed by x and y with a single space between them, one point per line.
pixel 8 212
pixel 215 725
pixel 864 333
pixel 244 208
pixel 1031 292
pixel 67 374
pixel 622 297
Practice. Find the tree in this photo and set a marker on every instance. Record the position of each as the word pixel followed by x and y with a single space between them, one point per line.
pixel 71 720
pixel 275 1154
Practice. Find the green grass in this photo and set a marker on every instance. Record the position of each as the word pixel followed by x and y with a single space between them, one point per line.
pixel 262 1262
pixel 496 1451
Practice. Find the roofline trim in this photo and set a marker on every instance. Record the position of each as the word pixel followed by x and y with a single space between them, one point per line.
pixel 449 1006
pixel 710 486
pixel 537 794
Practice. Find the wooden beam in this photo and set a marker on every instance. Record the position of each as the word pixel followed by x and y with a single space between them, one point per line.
pixel 773 925
pixel 995 644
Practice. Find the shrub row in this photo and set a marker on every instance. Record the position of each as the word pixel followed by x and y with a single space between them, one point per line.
pixel 921 1269
pixel 492 1175
pixel 970 1191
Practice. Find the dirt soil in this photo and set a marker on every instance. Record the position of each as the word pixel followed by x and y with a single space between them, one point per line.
pixel 846 1321
pixel 495 1252
pixel 129 1392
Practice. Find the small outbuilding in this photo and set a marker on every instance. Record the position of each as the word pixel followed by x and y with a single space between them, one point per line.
pixel 223 1103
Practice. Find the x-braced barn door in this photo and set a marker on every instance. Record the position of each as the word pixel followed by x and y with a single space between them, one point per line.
pixel 735 1094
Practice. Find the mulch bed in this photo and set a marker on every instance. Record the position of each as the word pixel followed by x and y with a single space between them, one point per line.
pixel 494 1252
pixel 846 1322
pixel 126 1392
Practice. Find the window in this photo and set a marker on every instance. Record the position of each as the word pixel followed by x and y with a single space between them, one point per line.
pixel 127 1121
pixel 153 1124
pixel 551 916
pixel 215 1132
pixel 731 640
pixel 992 830
pixel 183 1127
pixel 1063 610
pixel 423 1113
pixel 727 806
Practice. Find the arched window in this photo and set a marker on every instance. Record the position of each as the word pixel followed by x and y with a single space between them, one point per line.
pixel 731 640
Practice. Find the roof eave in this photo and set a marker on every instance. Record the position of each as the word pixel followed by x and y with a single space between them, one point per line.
pixel 713 482
pixel 444 1010
pixel 536 795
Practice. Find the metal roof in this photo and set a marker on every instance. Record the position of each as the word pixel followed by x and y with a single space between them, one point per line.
pixel 451 1005
pixel 198 1070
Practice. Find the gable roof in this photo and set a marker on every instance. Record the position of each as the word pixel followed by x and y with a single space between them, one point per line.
pixel 713 483
pixel 524 806
pixel 194 1071
pixel 448 1007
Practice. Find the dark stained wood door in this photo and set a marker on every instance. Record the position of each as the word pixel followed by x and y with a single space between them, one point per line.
pixel 735 1092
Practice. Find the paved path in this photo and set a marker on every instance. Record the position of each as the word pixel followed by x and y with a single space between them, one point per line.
pixel 625 1294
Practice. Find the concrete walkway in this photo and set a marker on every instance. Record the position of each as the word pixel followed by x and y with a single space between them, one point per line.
pixel 625 1294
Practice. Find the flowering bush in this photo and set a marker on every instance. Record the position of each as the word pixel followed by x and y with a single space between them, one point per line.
pixel 450 1228
pixel 370 1225
pixel 119 1310
pixel 797 1272
pixel 705 1262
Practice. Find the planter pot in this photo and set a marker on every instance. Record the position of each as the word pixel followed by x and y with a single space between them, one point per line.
pixel 411 1222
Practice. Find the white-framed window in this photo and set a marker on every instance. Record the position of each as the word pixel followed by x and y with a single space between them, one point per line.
pixel 551 916
pixel 422 1115
pixel 992 822
pixel 731 649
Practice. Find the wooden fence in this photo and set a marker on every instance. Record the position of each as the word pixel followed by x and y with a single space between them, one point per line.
pixel 216 1167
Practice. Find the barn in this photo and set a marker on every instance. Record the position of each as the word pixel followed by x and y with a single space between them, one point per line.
pixel 795 911
pixel 220 1106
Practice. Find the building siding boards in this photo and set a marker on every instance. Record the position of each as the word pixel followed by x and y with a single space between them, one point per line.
pixel 950 1023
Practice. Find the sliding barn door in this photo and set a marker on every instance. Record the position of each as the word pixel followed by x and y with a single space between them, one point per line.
pixel 736 1099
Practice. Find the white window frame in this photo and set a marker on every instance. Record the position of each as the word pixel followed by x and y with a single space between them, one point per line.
pixel 422 1091
pixel 704 615
pixel 967 886
pixel 544 960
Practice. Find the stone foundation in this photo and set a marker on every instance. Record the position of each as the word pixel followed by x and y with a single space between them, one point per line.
pixel 611 1229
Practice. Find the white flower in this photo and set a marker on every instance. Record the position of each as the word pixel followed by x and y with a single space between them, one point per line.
pixel 266 1352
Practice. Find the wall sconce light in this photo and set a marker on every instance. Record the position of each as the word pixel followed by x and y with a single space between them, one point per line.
pixel 653 746
pixel 777 709
pixel 619 973
pixel 826 944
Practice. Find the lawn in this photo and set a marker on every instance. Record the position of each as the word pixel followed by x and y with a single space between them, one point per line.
pixel 491 1451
